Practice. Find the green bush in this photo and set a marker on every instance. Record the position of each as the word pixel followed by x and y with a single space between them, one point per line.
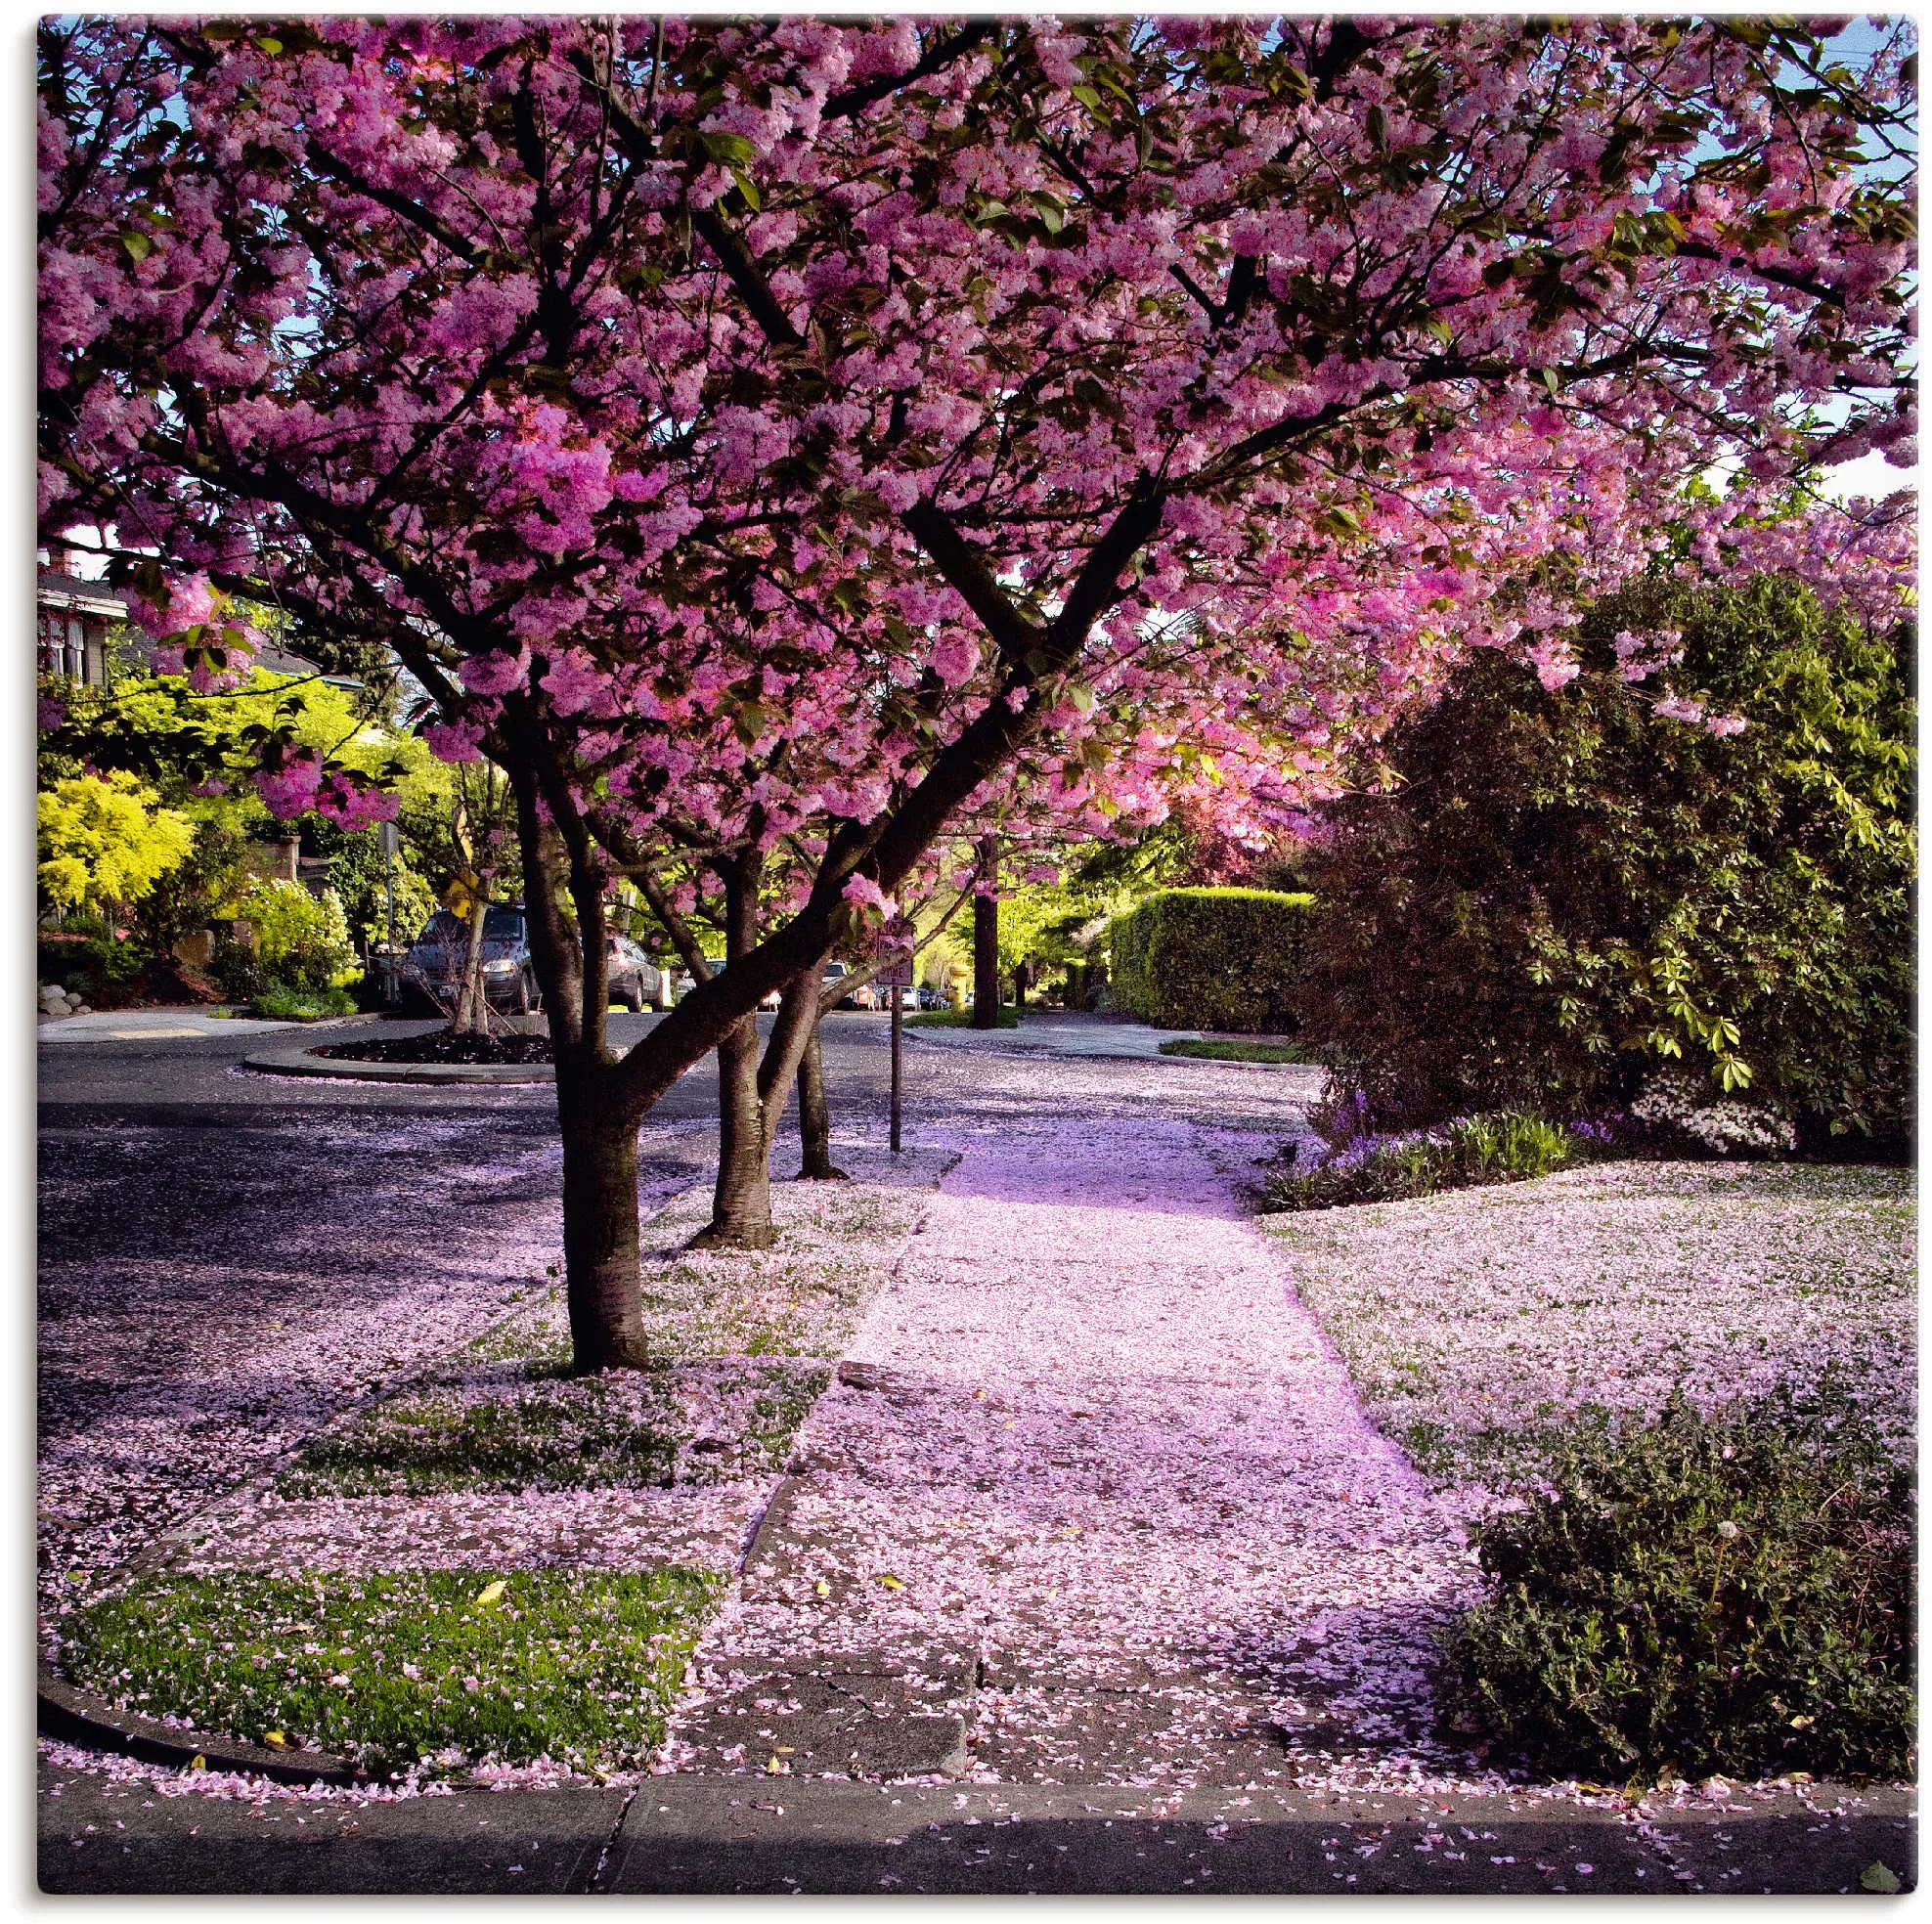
pixel 236 969
pixel 301 940
pixel 1469 1152
pixel 1211 958
pixel 1726 1593
pixel 1546 899
pixel 91 965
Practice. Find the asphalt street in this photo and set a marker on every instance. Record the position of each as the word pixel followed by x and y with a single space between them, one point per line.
pixel 179 1072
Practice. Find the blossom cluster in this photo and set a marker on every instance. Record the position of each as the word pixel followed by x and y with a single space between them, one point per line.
pixel 1190 394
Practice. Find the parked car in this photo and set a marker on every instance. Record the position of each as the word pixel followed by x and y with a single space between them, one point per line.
pixel 685 981
pixel 930 998
pixel 432 970
pixel 633 975
pixel 864 996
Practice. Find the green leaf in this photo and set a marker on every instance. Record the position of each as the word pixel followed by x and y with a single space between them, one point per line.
pixel 136 242
pixel 1880 1877
pixel 491 1592
pixel 734 150
pixel 752 197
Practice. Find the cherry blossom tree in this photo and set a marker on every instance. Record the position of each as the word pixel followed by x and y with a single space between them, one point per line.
pixel 1166 402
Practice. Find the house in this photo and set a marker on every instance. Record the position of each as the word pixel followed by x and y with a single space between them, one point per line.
pixel 74 620
pixel 75 615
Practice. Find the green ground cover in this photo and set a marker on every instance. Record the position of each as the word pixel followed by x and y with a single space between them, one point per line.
pixel 1474 1321
pixel 1241 1052
pixel 1692 1386
pixel 407 1669
pixel 431 1670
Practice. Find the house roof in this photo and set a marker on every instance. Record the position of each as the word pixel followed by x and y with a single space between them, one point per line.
pixel 73 595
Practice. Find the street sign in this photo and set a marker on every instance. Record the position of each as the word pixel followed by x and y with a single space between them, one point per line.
pixel 896 971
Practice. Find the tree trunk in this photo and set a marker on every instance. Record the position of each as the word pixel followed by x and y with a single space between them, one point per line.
pixel 1021 977
pixel 815 1117
pixel 986 962
pixel 741 1202
pixel 469 1016
pixel 986 945
pixel 603 1285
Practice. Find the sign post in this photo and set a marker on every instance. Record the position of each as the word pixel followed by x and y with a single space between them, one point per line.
pixel 387 838
pixel 895 975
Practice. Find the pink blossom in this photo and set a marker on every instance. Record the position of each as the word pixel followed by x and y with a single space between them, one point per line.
pixel 867 897
pixel 454 741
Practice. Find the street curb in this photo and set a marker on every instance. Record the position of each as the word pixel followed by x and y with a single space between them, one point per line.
pixel 1045 1051
pixel 79 1717
pixel 300 1061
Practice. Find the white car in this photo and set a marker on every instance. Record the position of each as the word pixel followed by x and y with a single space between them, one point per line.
pixel 864 996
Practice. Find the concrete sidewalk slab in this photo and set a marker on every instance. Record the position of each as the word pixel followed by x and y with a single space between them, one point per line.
pixel 159 1024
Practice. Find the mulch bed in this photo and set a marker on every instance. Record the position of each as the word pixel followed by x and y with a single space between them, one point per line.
pixel 441 1046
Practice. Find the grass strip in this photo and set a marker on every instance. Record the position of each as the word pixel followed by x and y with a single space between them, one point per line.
pixel 1241 1052
pixel 635 1431
pixel 959 1018
pixel 429 1667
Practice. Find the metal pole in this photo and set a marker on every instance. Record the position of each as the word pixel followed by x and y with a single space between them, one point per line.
pixel 898 1017
pixel 387 835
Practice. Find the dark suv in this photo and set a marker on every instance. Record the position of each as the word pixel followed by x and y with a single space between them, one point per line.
pixel 432 970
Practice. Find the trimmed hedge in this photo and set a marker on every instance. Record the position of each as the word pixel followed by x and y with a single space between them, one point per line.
pixel 1211 958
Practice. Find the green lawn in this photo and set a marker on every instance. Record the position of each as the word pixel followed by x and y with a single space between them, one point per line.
pixel 395 1671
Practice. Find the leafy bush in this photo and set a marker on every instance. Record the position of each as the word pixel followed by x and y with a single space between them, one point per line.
pixel 1466 1154
pixel 1211 958
pixel 90 964
pixel 1556 895
pixel 1730 1593
pixel 301 940
pixel 236 969
pixel 105 840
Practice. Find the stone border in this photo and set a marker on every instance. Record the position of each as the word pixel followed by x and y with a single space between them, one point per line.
pixel 301 1062
pixel 79 1717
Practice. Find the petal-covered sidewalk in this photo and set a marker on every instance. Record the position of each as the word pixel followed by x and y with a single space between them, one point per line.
pixel 1093 1501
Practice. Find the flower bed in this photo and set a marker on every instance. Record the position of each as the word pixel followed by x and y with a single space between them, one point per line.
pixel 441 1045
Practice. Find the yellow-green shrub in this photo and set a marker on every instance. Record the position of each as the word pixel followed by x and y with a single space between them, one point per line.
pixel 105 840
